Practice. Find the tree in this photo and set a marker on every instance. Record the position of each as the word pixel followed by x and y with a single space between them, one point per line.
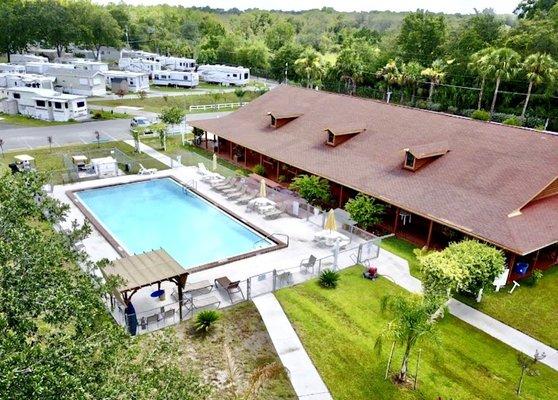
pixel 16 29
pixel 59 23
pixel 390 74
pixel 285 58
pixel 312 188
pixel 2 146
pixel 172 115
pixel 309 65
pixel 410 75
pixel 421 37
pixel 279 34
pixel 528 366
pixel 254 55
pixel 503 64
pixel 539 68
pixel 136 133
pixel 435 75
pixel 479 64
pixel 240 93
pixel 528 9
pixel 414 320
pixel 101 29
pixel 365 211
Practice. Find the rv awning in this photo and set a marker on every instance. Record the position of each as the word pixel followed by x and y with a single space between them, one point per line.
pixel 144 269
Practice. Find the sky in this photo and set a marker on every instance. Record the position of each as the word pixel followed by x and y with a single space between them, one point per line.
pixel 447 6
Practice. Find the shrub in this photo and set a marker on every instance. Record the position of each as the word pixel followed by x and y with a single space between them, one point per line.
pixel 240 172
pixel 501 117
pixel 205 320
pixel 534 122
pixel 452 110
pixel 536 276
pixel 434 106
pixel 481 115
pixel 422 104
pixel 364 210
pixel 328 279
pixel 312 188
pixel 468 112
pixel 514 121
pixel 97 115
pixel 259 169
pixel 281 178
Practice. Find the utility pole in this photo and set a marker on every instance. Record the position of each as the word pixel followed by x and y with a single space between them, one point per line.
pixel 286 73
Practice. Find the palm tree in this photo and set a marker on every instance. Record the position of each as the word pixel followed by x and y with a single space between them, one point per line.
pixel 539 67
pixel 240 93
pixel 410 76
pixel 310 66
pixel 479 65
pixel 435 74
pixel 390 74
pixel 503 64
pixel 414 319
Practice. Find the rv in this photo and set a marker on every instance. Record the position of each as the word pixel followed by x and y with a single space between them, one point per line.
pixel 134 82
pixel 12 68
pixel 9 80
pixel 79 81
pixel 224 74
pixel 139 65
pixel 47 105
pixel 143 55
pixel 42 68
pixel 80 63
pixel 177 63
pixel 25 58
pixel 176 78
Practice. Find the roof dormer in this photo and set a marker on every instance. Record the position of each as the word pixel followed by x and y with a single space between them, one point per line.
pixel 336 136
pixel 418 156
pixel 551 189
pixel 278 119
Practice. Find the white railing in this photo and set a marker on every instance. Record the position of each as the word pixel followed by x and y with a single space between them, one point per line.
pixel 221 106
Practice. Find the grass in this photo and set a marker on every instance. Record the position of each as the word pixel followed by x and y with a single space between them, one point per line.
pixel 27 121
pixel 339 327
pixel 156 104
pixel 201 85
pixel 531 309
pixel 108 115
pixel 403 249
pixel 243 331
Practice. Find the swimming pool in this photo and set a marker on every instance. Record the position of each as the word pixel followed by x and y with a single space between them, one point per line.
pixel 161 213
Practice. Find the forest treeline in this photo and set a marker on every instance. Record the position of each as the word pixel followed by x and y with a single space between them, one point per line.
pixel 504 64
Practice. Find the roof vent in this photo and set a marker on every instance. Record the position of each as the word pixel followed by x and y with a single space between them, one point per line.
pixel 418 156
pixel 336 136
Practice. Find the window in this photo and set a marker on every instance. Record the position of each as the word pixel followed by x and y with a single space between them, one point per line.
pixel 41 103
pixel 235 76
pixel 409 160
pixel 57 105
pixel 246 75
pixel 50 104
pixel 186 78
pixel 80 104
pixel 330 137
pixel 16 95
pixel 66 105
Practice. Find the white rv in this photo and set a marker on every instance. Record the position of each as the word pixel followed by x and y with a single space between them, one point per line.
pixel 48 105
pixel 176 78
pixel 9 80
pixel 177 63
pixel 144 55
pixel 34 67
pixel 134 82
pixel 224 74
pixel 79 81
pixel 80 63
pixel 13 68
pixel 24 58
pixel 139 65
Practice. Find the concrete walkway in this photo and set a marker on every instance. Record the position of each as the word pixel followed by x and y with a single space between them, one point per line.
pixel 304 377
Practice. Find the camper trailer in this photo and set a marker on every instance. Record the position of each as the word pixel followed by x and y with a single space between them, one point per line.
pixel 47 104
pixel 12 68
pixel 34 67
pixel 143 55
pixel 9 80
pixel 224 74
pixel 79 81
pixel 177 63
pixel 139 65
pixel 80 63
pixel 176 78
pixel 25 58
pixel 134 82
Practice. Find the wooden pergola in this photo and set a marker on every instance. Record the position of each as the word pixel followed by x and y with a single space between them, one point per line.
pixel 146 269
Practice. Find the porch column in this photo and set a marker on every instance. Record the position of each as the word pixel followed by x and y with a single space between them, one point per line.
pixel 340 196
pixel 511 263
pixel 429 234
pixel 206 140
pixel 181 282
pixel 245 157
pixel 278 170
pixel 396 222
pixel 230 150
pixel 536 258
pixel 261 159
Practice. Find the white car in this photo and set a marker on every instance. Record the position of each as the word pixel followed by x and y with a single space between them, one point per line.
pixel 142 122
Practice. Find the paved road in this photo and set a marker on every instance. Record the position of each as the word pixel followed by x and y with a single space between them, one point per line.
pixel 117 129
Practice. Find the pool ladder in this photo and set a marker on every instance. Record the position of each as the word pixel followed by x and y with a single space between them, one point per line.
pixel 270 236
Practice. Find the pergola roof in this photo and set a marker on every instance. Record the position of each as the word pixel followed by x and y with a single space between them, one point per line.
pixel 144 269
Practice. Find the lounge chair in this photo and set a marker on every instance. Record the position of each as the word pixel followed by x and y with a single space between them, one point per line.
pixel 208 175
pixel 230 287
pixel 246 198
pixel 223 183
pixel 146 171
pixel 308 264
pixel 206 302
pixel 194 289
pixel 273 214
pixel 236 195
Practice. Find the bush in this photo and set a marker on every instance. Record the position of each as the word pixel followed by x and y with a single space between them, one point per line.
pixel 434 106
pixel 205 320
pixel 481 115
pixel 501 117
pixel 422 104
pixel 452 110
pixel 364 210
pixel 514 121
pixel 97 115
pixel 281 178
pixel 240 172
pixel 259 169
pixel 329 279
pixel 534 122
pixel 312 188
pixel 536 276
pixel 468 112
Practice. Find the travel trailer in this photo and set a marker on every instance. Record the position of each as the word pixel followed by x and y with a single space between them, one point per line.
pixel 177 63
pixel 25 58
pixel 133 81
pixel 9 80
pixel 80 63
pixel 139 65
pixel 13 68
pixel 224 74
pixel 45 104
pixel 79 81
pixel 34 67
pixel 176 78
pixel 144 55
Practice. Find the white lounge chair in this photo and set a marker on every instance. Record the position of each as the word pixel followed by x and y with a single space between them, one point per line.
pixel 146 171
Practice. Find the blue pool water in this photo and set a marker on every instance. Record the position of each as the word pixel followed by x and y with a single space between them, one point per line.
pixel 161 213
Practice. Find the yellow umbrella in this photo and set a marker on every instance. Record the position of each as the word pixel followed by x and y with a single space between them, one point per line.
pixel 330 222
pixel 214 161
pixel 263 190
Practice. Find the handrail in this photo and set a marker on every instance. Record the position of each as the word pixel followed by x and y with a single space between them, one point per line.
pixel 271 235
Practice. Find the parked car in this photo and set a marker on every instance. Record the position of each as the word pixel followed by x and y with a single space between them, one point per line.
pixel 142 122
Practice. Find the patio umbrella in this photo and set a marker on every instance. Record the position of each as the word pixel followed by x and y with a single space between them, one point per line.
pixel 214 162
pixel 330 222
pixel 263 189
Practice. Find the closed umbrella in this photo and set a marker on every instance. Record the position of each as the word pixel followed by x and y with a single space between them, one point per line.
pixel 214 162
pixel 330 223
pixel 263 190
pixel 335 265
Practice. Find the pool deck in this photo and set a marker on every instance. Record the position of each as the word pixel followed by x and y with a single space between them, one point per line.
pixel 299 231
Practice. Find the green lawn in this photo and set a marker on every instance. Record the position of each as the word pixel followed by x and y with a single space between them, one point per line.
pixel 339 327
pixel 403 249
pixel 531 309
pixel 23 120
pixel 156 104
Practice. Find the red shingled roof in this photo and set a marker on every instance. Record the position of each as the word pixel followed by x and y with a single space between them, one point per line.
pixel 490 171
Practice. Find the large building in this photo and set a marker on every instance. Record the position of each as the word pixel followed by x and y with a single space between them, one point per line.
pixel 444 177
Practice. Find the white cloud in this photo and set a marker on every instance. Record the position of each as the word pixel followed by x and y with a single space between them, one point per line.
pixel 448 6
